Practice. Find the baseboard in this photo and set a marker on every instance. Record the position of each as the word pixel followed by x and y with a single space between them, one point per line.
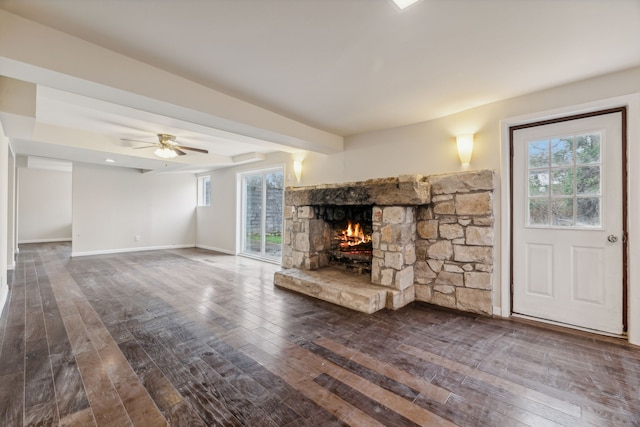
pixel 138 249
pixel 214 249
pixel 497 311
pixel 11 266
pixel 59 239
pixel 4 293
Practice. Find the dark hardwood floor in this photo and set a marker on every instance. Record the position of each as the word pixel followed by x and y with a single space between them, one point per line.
pixel 194 338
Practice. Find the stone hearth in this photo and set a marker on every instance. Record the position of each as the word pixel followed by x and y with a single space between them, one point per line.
pixel 432 241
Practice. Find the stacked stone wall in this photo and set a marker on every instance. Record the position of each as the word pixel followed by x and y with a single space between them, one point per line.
pixel 455 242
pixel 394 250
pixel 306 239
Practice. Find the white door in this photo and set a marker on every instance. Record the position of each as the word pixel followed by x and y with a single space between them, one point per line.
pixel 568 222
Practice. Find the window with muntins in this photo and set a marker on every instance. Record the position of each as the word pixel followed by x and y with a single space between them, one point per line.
pixel 565 181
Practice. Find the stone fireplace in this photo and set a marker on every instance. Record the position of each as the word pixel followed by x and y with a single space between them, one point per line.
pixel 429 239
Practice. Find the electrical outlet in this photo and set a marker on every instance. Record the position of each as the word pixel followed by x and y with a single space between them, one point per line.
pixel 137 238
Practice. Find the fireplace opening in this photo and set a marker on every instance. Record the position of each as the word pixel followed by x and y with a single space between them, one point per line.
pixel 351 227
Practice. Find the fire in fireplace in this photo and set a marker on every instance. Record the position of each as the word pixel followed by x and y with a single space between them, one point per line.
pixel 351 248
pixel 353 239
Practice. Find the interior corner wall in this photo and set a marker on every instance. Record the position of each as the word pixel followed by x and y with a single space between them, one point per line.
pixel 112 206
pixel 44 205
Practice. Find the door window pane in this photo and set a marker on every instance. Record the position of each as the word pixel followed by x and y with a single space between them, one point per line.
pixel 253 215
pixel 562 181
pixel 562 151
pixel 274 214
pixel 538 183
pixel 538 153
pixel 588 180
pixel 539 211
pixel 588 212
pixel 588 149
pixel 562 212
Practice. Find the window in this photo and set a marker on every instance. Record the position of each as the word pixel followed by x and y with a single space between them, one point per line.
pixel 565 176
pixel 204 191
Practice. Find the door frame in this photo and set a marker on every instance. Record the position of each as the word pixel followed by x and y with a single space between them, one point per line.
pixel 631 215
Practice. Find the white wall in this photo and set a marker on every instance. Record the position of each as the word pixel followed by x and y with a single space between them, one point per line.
pixel 112 205
pixel 44 205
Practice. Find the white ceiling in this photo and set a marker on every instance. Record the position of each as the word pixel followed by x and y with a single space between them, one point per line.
pixel 343 66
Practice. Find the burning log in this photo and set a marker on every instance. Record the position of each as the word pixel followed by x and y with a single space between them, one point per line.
pixel 353 239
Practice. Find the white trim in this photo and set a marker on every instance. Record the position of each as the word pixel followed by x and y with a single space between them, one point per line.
pixel 564 325
pixel 632 102
pixel 58 239
pixel 124 250
pixel 11 266
pixel 265 259
pixel 497 311
pixel 4 296
pixel 214 249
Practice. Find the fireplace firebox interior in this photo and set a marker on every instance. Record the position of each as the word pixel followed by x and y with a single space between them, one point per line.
pixel 350 233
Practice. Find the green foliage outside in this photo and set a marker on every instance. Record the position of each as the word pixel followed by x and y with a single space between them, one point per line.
pixel 270 238
pixel 563 173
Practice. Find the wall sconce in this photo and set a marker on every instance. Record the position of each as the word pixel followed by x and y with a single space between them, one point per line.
pixel 297 169
pixel 465 148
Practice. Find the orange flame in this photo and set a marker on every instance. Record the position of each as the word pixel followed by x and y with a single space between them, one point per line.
pixel 353 236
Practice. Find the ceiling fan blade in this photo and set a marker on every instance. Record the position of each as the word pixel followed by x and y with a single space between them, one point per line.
pixel 199 150
pixel 146 146
pixel 180 152
pixel 136 140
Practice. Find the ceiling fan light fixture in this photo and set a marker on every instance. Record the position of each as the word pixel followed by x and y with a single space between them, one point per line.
pixel 165 153
pixel 403 4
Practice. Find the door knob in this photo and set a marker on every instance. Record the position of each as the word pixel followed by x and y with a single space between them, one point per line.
pixel 612 238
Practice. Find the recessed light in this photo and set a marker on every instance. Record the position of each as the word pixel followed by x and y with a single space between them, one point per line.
pixel 109 160
pixel 403 4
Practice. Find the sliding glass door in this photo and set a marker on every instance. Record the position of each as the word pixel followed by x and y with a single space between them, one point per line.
pixel 262 204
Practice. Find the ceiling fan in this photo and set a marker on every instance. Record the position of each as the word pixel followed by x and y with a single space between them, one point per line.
pixel 167 146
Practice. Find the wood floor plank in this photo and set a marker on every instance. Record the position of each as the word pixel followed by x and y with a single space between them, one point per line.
pixel 106 405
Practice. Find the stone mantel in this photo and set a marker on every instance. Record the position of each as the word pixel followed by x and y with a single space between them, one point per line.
pixel 405 190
